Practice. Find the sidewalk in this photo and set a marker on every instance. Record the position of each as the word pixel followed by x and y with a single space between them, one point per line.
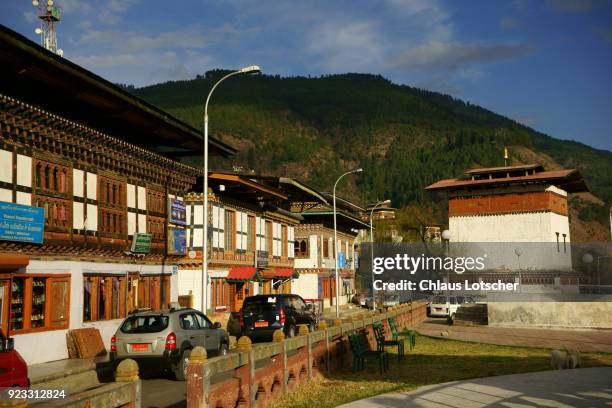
pixel 346 310
pixel 581 340
pixel 73 375
pixel 586 387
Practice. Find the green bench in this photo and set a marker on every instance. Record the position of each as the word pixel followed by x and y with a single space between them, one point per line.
pixel 406 334
pixel 360 348
pixel 379 333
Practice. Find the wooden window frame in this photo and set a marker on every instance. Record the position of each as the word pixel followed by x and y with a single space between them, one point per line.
pixel 325 248
pixel 284 241
pixel 298 244
pixel 108 293
pixel 229 242
pixel 48 325
pixel 251 236
pixel 269 238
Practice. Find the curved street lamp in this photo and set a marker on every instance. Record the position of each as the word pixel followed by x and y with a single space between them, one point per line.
pixel 386 202
pixel 251 69
pixel 359 170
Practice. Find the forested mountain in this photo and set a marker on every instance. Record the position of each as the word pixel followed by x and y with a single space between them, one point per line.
pixel 404 138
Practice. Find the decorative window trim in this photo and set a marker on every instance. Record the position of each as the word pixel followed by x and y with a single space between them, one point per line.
pixel 54 319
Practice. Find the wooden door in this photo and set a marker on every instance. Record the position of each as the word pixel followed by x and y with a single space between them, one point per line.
pixel 60 302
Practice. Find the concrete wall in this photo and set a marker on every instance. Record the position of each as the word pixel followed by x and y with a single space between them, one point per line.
pixel 578 312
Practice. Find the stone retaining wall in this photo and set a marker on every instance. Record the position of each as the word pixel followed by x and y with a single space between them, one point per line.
pixel 255 375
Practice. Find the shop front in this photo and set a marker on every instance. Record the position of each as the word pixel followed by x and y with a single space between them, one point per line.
pixel 241 285
pixel 277 280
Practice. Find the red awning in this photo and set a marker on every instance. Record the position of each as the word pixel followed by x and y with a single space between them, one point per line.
pixel 278 273
pixel 242 273
pixel 283 272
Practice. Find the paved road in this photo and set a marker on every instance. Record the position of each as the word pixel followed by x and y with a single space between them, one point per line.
pixel 160 391
pixel 587 387
pixel 581 340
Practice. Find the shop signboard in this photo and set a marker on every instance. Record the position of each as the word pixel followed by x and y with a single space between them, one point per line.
pixel 341 260
pixel 177 212
pixel 177 242
pixel 141 243
pixel 262 259
pixel 21 223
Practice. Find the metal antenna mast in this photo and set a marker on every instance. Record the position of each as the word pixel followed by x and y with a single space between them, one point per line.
pixel 49 15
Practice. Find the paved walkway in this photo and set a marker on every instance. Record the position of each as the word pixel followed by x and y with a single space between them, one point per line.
pixel 39 373
pixel 586 387
pixel 581 340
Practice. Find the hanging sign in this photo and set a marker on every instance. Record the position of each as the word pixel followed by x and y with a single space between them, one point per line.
pixel 141 244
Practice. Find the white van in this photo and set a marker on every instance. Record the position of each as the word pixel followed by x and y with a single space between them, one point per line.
pixel 443 306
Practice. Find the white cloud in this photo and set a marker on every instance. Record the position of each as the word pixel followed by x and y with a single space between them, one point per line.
pixel 429 17
pixel 345 47
pixel 452 55
pixel 107 11
pixel 113 60
pixel 131 41
pixel 110 60
pixel 74 6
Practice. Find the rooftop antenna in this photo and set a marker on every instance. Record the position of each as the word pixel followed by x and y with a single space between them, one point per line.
pixel 49 15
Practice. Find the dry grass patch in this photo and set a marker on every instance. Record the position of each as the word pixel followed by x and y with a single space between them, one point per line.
pixel 432 361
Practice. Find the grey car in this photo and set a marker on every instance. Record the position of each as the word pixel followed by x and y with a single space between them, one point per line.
pixel 166 338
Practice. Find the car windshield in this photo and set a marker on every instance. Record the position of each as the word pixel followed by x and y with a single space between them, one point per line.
pixel 438 299
pixel 145 324
pixel 259 304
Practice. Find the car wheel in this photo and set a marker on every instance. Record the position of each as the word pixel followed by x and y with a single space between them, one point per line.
pixel 180 369
pixel 291 331
pixel 222 350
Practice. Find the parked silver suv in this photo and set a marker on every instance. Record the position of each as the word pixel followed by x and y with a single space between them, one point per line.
pixel 168 336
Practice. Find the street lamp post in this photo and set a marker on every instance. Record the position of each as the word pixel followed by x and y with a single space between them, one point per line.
pixel 335 247
pixel 246 70
pixel 518 252
pixel 446 237
pixel 372 246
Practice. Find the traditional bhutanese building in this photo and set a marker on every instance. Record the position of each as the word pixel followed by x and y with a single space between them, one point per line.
pixel 314 263
pixel 315 249
pixel 513 204
pixel 92 210
pixel 251 240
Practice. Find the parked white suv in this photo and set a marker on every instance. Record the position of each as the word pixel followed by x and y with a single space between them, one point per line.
pixel 444 306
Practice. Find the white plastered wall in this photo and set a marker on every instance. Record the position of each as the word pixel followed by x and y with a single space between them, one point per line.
pixel 55 348
pixel 524 227
pixel 306 285
pixel 24 170
pixel 190 282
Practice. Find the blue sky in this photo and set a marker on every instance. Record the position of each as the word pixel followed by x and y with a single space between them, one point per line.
pixel 545 63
